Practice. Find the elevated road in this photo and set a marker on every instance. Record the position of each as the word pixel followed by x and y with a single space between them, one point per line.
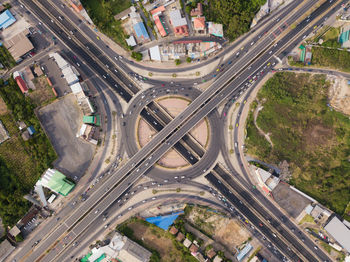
pixel 174 131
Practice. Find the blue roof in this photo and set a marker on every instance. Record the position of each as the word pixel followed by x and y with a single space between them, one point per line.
pixel 141 31
pixel 31 130
pixel 6 19
pixel 163 221
pixel 244 252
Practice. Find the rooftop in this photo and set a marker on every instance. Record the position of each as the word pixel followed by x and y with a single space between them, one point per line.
pixel 141 31
pixel 198 10
pixel 5 249
pixel 199 23
pixel 19 45
pixel 339 232
pixel 177 19
pixel 6 19
pixel 215 29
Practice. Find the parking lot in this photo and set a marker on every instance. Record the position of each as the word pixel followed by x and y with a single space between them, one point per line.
pixel 62 121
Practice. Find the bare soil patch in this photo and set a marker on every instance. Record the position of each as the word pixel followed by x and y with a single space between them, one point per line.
pixel 222 229
pixel 3 107
pixel 43 93
pixel 317 134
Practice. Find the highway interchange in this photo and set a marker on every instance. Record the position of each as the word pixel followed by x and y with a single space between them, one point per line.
pixel 229 85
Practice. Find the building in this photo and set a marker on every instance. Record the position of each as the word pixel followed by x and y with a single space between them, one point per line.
pixel 92 120
pixel 179 23
pixel 21 125
pixel 31 130
pixel 193 249
pixel 121 248
pixel 339 232
pixel 199 24
pixel 211 253
pixel 173 230
pixel 123 15
pixel 155 53
pixel 302 53
pixel 187 243
pixel 197 11
pixel 19 45
pixel 20 82
pixel 131 41
pixel 5 249
pixel 56 182
pixel 180 237
pixel 244 252
pixel 29 73
pixel 140 31
pixel 25 135
pixel 38 71
pixel 6 19
pixel 215 29
pixel 160 26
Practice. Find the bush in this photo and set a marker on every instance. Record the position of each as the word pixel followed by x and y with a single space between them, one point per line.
pixel 188 59
pixel 177 61
pixel 19 238
pixel 136 55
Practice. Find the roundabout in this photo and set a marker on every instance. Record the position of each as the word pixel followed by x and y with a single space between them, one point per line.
pixel 176 163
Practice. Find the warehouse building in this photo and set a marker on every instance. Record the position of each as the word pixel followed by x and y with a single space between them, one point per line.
pixel 20 82
pixel 6 19
pixel 339 232
pixel 56 182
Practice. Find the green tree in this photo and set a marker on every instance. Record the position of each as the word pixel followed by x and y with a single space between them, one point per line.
pixel 188 59
pixel 136 55
pixel 177 61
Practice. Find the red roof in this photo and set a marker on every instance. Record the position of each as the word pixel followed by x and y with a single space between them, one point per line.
pixel 22 85
pixel 198 10
pixel 199 23
pixel 181 30
pixel 160 26
pixel 157 10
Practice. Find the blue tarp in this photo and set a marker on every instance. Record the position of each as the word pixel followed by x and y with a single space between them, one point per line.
pixel 164 221
pixel 141 31
pixel 6 19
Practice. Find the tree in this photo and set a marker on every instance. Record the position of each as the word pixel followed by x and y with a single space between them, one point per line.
pixel 188 59
pixel 177 61
pixel 19 238
pixel 136 55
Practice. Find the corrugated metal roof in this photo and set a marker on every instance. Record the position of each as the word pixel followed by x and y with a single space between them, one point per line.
pixel 339 232
pixel 6 19
pixel 76 88
pixel 177 19
pixel 141 31
pixel 57 182
pixel 155 53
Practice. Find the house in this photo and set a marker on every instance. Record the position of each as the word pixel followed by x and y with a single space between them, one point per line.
pixel 199 24
pixel 31 130
pixel 19 45
pixel 160 26
pixel 20 82
pixel 173 230
pixel 25 135
pixel 197 11
pixel 180 237
pixel 179 23
pixel 131 41
pixel 6 19
pixel 21 125
pixel 215 29
pixel 211 253
pixel 14 231
pixel 187 243
pixel 155 53
pixel 193 249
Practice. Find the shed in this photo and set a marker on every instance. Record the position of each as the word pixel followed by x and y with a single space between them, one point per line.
pixel 31 130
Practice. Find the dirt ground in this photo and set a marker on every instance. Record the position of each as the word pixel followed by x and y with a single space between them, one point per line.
pixel 224 230
pixel 154 238
pixel 339 94
pixel 43 93
pixel 3 108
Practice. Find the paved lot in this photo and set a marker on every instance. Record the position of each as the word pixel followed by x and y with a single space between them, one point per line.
pixel 289 200
pixel 62 120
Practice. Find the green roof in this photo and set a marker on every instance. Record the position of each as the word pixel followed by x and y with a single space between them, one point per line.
pixel 92 120
pixel 86 258
pixel 59 183
pixel 302 55
pixel 302 47
pixel 100 258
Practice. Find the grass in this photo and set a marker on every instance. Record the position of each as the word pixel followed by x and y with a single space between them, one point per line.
pixel 161 243
pixel 311 137
pixel 331 58
pixel 6 58
pixel 102 14
pixel 307 219
pixel 326 247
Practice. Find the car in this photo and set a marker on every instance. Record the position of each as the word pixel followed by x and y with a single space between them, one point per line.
pixel 129 208
pixel 144 201
pixel 176 177
pixel 261 225
pixel 97 211
pixel 252 43
pixel 182 177
pixel 154 198
pixel 71 32
pixel 304 36
pixel 218 69
pixel 214 75
pixel 60 17
pixel 97 38
pixel 236 124
pixel 270 52
pixel 104 76
pixel 74 244
pixel 106 225
pixel 274 235
pixel 78 64
pixel 315 247
pixel 237 54
pixel 204 170
pixel 229 62
pixel 166 180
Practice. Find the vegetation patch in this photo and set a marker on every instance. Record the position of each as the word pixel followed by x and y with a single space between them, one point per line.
pixel 311 137
pixel 331 58
pixel 330 38
pixel 6 58
pixel 235 15
pixel 161 243
pixel 34 155
pixel 102 14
